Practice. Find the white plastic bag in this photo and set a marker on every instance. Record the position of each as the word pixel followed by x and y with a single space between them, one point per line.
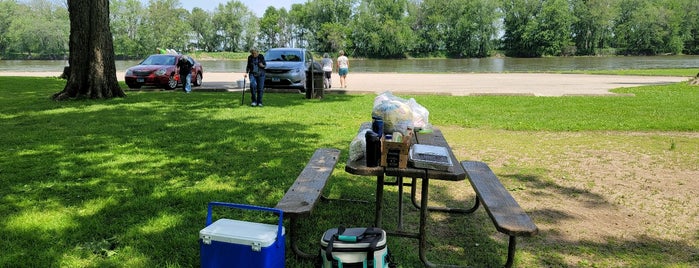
pixel 358 146
pixel 398 114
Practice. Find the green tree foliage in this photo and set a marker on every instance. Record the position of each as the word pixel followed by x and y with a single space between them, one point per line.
pixel 372 28
pixel 237 26
pixel 593 29
pixel 326 23
pixel 275 28
pixel 126 18
pixel 534 28
pixel 473 30
pixel 202 24
pixel 8 9
pixel 689 29
pixel 165 26
pixel 381 29
pixel 38 28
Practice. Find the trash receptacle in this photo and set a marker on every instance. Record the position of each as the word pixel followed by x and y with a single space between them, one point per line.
pixel 314 81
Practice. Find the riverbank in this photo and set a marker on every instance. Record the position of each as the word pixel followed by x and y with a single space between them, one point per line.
pixel 534 84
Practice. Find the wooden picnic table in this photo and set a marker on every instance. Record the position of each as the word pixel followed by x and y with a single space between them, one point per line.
pixel 453 173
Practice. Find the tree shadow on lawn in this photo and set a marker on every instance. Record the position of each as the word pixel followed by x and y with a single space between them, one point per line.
pixel 471 239
pixel 127 183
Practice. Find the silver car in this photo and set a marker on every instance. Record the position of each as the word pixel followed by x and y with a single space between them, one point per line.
pixel 287 68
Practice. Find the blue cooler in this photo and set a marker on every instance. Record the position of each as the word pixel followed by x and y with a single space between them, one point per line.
pixel 233 243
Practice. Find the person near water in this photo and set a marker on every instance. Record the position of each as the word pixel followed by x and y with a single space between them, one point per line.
pixel 256 71
pixel 327 64
pixel 184 68
pixel 343 68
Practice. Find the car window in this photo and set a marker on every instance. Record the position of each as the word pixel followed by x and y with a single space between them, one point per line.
pixel 282 55
pixel 159 60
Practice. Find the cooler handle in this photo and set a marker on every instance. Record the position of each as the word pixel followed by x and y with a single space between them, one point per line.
pixel 246 207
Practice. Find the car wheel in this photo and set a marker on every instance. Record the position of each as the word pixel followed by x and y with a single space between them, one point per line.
pixel 198 82
pixel 134 86
pixel 171 83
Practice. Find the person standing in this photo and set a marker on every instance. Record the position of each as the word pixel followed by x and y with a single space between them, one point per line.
pixel 343 68
pixel 256 69
pixel 184 68
pixel 327 64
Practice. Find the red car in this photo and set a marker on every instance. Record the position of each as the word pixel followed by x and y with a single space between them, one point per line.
pixel 159 70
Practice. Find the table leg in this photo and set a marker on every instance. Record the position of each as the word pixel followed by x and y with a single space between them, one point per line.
pixel 379 200
pixel 423 222
pixel 400 202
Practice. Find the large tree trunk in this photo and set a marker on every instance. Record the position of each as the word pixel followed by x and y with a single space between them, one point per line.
pixel 92 68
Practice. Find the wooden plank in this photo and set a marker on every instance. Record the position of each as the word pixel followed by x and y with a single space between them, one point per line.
pixel 304 194
pixel 507 215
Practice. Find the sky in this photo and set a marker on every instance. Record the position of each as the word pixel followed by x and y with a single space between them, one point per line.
pixel 257 6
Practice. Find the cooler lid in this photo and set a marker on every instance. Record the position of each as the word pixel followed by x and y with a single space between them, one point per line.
pixel 362 243
pixel 241 232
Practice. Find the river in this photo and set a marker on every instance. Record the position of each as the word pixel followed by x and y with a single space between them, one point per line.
pixel 480 65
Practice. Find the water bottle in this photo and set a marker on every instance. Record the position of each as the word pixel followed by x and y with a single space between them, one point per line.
pixel 377 125
pixel 373 149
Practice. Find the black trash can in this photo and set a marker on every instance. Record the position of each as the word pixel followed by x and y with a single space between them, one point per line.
pixel 314 81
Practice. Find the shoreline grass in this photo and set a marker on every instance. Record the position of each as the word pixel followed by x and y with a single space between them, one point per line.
pixel 125 182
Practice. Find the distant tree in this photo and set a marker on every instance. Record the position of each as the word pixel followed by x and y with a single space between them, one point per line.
pixel 430 24
pixel 690 28
pixel 8 10
pixel 380 29
pixel 165 25
pixel 39 27
pixel 536 28
pixel 472 28
pixel 236 26
pixel 593 28
pixel 202 24
pixel 275 28
pixel 126 17
pixel 646 27
pixel 324 23
pixel 93 72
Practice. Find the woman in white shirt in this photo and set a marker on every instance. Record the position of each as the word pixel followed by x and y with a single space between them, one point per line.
pixel 343 68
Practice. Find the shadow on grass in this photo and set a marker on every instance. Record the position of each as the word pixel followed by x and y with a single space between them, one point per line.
pixel 125 182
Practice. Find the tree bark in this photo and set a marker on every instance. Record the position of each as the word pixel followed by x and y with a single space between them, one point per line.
pixel 91 60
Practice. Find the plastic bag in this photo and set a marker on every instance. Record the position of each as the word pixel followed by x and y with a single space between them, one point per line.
pixel 420 114
pixel 358 146
pixel 399 114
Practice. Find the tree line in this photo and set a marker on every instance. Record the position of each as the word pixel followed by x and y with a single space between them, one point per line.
pixel 371 28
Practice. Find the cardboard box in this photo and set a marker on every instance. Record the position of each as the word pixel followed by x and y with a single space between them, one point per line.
pixel 395 154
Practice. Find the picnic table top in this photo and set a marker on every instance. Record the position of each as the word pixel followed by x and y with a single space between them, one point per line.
pixel 433 137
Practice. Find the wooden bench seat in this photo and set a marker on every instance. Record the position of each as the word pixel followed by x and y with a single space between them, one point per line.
pixel 508 217
pixel 304 194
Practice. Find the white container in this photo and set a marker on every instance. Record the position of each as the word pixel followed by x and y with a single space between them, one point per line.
pixel 241 83
pixel 430 157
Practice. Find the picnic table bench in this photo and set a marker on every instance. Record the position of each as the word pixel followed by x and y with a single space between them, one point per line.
pixel 508 217
pixel 304 194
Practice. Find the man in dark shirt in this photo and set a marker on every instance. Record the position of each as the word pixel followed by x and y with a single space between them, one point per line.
pixel 184 68
pixel 256 69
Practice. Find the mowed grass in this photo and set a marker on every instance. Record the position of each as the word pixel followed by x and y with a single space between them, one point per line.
pixel 125 182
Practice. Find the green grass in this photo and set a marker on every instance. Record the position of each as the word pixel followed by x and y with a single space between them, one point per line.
pixel 125 182
pixel 685 72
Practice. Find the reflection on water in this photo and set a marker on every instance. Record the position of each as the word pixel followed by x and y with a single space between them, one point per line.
pixel 483 65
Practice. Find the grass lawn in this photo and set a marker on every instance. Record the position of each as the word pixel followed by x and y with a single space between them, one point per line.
pixel 125 182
